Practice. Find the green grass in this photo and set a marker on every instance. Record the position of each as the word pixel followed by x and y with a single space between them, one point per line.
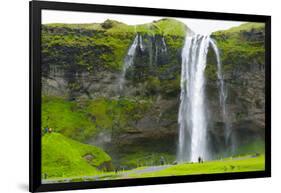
pixel 63 157
pixel 256 146
pixel 66 117
pixel 239 164
pixel 142 158
pixel 83 120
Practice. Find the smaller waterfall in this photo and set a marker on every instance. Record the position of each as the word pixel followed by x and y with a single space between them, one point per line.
pixel 164 48
pixel 141 44
pixel 222 98
pixel 129 59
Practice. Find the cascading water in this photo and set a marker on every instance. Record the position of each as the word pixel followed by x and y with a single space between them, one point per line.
pixel 138 43
pixel 141 43
pixel 129 59
pixel 164 47
pixel 223 97
pixel 192 111
pixel 192 116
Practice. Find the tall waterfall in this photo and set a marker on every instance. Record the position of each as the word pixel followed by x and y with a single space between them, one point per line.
pixel 128 61
pixel 192 116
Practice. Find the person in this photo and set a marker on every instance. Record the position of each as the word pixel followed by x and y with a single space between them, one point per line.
pixel 116 170
pixel 199 159
pixel 162 160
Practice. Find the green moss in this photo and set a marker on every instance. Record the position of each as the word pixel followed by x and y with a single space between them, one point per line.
pixel 171 88
pixel 116 114
pixel 166 26
pixel 63 157
pixel 170 26
pixel 84 119
pixel 240 48
pixel 95 47
pixel 256 146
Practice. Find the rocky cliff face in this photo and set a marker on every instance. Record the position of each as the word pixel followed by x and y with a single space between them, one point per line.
pixel 242 54
pixel 83 63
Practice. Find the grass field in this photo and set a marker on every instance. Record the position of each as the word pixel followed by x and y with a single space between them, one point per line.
pixel 238 164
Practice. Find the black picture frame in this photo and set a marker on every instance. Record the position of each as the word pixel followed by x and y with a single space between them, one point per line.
pixel 36 8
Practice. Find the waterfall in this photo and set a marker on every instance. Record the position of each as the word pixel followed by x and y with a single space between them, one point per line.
pixel 192 117
pixel 128 61
pixel 141 44
pixel 164 48
pixel 130 56
pixel 192 111
pixel 222 98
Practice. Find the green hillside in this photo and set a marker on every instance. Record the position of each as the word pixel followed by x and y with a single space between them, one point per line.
pixel 64 157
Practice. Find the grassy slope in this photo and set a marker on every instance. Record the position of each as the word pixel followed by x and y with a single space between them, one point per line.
pixel 63 157
pixel 65 117
pixel 219 166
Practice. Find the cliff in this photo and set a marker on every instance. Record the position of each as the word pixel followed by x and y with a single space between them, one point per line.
pixel 82 66
pixel 242 55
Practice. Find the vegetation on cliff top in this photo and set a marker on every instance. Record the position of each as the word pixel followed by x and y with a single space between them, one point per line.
pixel 241 47
pixel 166 26
pixel 249 26
pixel 64 157
pixel 100 46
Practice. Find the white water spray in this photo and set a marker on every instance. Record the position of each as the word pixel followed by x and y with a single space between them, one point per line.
pixel 141 43
pixel 129 59
pixel 222 97
pixel 164 47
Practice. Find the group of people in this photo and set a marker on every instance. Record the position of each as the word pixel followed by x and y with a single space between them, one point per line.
pixel 48 130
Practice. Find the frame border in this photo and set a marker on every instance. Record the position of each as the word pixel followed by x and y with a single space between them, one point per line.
pixel 35 11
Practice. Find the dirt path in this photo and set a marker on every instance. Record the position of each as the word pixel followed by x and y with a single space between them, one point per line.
pixel 119 175
pixel 145 170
